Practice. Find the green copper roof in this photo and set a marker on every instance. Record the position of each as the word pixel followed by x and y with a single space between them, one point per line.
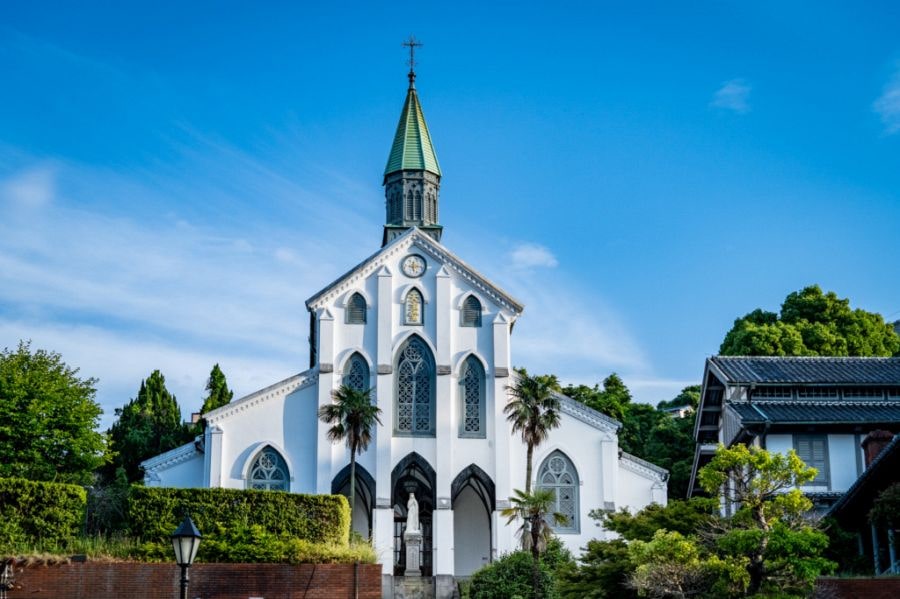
pixel 412 149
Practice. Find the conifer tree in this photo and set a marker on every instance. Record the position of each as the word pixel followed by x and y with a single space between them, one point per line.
pixel 219 393
pixel 147 425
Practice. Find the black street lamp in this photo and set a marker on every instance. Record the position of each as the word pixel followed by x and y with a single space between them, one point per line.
pixel 186 541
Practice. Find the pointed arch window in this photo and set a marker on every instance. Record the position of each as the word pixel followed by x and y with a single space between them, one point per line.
pixel 557 473
pixel 413 307
pixel 268 472
pixel 417 207
pixel 414 409
pixel 471 399
pixel 356 309
pixel 471 312
pixel 409 205
pixel 356 373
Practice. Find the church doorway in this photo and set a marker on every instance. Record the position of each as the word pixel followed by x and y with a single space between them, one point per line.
pixel 413 474
pixel 365 497
pixel 472 497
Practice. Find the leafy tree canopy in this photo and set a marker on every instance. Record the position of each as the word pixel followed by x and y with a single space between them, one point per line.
pixel 48 418
pixel 611 400
pixel 147 425
pixel 682 516
pixel 811 323
pixel 689 396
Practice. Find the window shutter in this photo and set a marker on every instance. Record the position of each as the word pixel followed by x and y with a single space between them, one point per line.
pixel 471 314
pixel 356 309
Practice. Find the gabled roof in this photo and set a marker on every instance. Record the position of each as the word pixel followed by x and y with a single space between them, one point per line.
pixel 412 148
pixel 777 370
pixel 279 389
pixel 427 245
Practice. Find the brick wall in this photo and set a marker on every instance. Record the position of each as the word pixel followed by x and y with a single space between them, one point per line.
pixel 858 588
pixel 98 580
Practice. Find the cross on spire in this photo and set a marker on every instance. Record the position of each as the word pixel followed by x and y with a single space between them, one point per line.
pixel 412 43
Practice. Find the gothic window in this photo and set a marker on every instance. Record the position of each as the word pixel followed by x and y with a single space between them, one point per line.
pixel 356 373
pixel 471 399
pixel 471 312
pixel 558 474
pixel 269 472
pixel 356 309
pixel 417 207
pixel 409 205
pixel 432 213
pixel 412 308
pixel 414 412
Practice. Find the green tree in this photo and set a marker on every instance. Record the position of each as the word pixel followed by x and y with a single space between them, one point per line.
pixel 612 399
pixel 812 323
pixel 147 425
pixel 689 396
pixel 218 395
pixel 682 516
pixel 48 418
pixel 782 551
pixel 352 417
pixel 535 511
pixel 533 411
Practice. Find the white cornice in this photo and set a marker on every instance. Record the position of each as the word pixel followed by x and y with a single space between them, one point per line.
pixel 643 467
pixel 170 458
pixel 280 389
pixel 581 412
pixel 426 244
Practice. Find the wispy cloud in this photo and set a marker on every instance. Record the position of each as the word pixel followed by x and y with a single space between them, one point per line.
pixel 532 255
pixel 734 95
pixel 31 188
pixel 887 106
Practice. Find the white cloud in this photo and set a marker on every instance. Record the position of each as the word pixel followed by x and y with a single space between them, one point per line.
pixel 888 106
pixel 532 255
pixel 31 188
pixel 733 95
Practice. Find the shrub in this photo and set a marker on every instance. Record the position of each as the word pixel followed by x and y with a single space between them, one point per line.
pixel 49 514
pixel 511 576
pixel 153 513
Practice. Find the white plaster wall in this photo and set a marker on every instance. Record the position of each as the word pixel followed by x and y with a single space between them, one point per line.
pixel 185 475
pixel 635 491
pixel 288 423
pixel 471 534
pixel 842 461
pixel 779 443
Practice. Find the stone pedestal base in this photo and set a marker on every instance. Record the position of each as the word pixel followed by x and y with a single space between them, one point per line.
pixel 413 550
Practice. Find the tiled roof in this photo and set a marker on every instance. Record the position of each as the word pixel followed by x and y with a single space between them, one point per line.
pixel 808 370
pixel 412 148
pixel 798 412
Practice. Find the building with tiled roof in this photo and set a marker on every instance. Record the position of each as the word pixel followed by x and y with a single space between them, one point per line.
pixel 822 407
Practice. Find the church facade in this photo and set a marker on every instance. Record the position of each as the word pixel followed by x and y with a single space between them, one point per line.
pixel 431 338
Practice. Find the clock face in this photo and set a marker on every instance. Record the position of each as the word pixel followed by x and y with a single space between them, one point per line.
pixel 414 265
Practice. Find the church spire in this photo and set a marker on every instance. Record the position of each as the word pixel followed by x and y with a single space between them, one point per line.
pixel 412 177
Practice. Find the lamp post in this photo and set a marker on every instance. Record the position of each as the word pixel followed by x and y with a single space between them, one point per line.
pixel 186 541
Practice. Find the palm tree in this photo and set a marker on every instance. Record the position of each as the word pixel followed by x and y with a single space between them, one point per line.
pixel 352 417
pixel 535 511
pixel 533 410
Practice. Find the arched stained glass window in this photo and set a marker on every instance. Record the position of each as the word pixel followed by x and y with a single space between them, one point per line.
pixel 269 472
pixel 471 312
pixel 412 309
pixel 356 309
pixel 558 474
pixel 356 373
pixel 471 398
pixel 414 413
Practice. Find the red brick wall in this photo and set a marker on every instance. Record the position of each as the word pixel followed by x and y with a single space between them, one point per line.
pixel 98 580
pixel 858 588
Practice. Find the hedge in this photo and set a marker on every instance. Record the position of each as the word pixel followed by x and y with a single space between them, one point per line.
pixel 39 513
pixel 153 514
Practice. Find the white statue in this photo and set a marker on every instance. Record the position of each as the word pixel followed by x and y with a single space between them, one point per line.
pixel 412 514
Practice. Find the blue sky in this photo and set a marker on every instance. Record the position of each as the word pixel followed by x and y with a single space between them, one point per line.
pixel 176 179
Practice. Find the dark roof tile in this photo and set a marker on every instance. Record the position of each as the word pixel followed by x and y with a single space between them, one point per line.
pixel 808 370
pixel 811 412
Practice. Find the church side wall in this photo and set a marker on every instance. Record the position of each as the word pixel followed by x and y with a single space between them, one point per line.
pixel 184 475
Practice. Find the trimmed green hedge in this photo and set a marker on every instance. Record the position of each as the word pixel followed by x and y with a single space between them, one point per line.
pixel 154 513
pixel 39 513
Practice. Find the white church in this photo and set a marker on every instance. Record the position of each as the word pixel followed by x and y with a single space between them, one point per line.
pixel 431 338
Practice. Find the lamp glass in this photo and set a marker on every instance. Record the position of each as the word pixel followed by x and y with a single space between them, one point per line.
pixel 186 542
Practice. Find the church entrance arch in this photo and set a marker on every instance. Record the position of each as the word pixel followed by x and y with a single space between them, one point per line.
pixel 413 474
pixel 365 497
pixel 472 498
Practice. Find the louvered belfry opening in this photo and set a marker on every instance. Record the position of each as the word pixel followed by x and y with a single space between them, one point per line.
pixel 471 312
pixel 356 309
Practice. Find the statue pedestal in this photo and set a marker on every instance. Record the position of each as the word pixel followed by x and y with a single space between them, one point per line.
pixel 413 549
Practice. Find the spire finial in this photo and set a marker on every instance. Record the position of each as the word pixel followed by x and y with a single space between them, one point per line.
pixel 412 43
